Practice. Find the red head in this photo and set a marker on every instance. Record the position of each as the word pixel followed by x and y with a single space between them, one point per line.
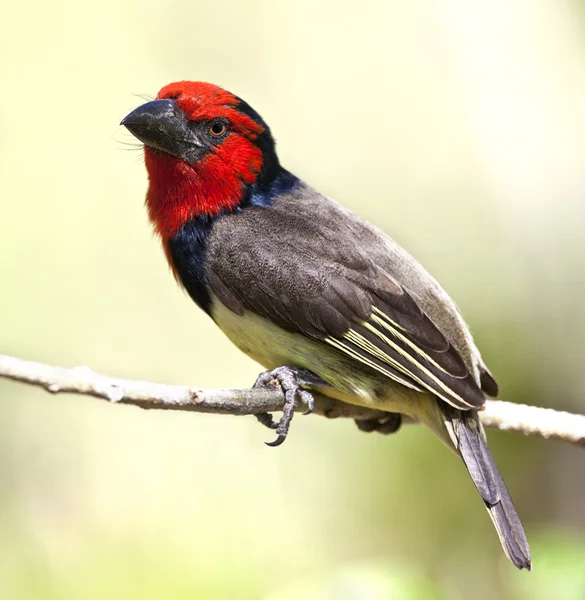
pixel 204 149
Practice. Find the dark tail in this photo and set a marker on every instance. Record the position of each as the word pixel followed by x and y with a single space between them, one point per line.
pixel 467 434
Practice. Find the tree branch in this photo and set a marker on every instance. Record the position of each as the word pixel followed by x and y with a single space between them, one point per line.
pixel 529 420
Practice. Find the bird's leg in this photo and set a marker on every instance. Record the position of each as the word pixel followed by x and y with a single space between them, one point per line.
pixel 291 380
pixel 389 423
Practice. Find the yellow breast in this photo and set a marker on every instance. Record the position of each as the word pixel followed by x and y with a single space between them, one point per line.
pixel 272 347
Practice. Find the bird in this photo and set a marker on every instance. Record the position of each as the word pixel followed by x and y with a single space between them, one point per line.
pixel 322 299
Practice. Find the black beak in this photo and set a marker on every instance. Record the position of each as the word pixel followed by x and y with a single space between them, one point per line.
pixel 161 124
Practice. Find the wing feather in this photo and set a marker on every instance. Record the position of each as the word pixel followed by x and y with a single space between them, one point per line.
pixel 341 295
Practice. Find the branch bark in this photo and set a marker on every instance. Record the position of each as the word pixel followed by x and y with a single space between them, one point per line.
pixel 529 420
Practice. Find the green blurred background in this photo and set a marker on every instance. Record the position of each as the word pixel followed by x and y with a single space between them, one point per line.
pixel 458 127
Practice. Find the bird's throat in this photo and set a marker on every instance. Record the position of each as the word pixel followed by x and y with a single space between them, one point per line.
pixel 179 192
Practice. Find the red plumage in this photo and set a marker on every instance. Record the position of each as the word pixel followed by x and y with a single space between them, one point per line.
pixel 200 101
pixel 262 252
pixel 180 191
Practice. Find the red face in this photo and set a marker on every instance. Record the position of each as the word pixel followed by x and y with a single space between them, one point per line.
pixel 202 149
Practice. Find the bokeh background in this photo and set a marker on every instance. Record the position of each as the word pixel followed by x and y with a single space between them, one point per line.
pixel 458 126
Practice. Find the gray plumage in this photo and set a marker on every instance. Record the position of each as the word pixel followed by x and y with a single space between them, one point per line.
pixel 333 294
pixel 303 285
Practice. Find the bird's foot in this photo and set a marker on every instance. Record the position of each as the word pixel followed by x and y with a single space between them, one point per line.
pixel 290 380
pixel 389 423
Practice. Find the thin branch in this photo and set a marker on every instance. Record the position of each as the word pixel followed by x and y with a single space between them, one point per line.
pixel 534 420
pixel 145 394
pixel 529 420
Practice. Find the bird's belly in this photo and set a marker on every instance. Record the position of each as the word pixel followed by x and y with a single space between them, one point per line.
pixel 273 347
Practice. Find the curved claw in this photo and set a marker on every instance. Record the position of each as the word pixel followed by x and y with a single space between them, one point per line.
pixel 290 380
pixel 307 398
pixel 277 441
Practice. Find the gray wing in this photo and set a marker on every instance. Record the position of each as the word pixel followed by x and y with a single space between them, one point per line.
pixel 312 267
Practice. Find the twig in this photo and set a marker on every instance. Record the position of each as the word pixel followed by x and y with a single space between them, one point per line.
pixel 534 420
pixel 529 420
pixel 145 394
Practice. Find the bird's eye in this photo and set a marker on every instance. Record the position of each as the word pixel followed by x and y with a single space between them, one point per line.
pixel 218 128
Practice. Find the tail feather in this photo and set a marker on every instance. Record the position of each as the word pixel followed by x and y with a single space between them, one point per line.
pixel 468 437
pixel 478 460
pixel 509 527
